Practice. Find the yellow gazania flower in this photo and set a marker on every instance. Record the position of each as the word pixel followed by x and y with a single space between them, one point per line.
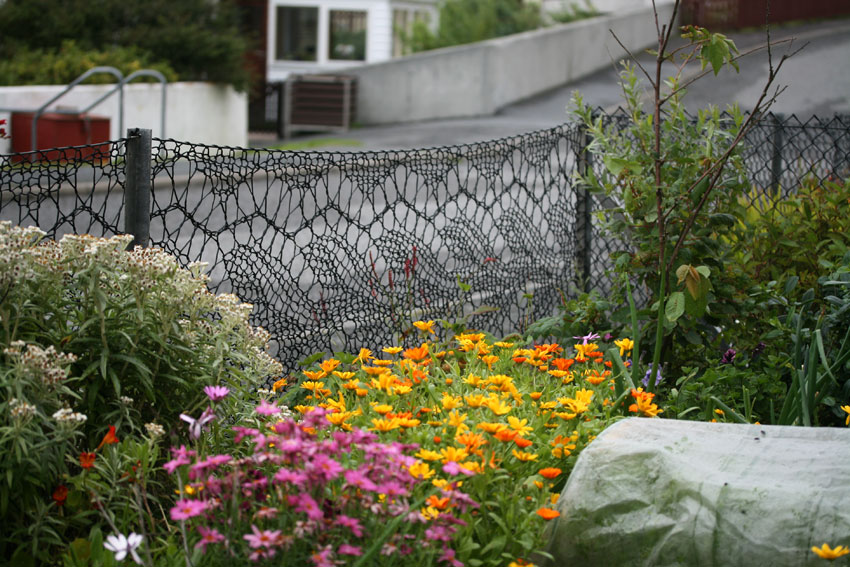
pixel 523 456
pixel 382 409
pixel 474 337
pixel 499 380
pixel 392 349
pixel 333 404
pixel 491 428
pixel 473 380
pixel 483 348
pixel 475 400
pixel 554 497
pixel 384 382
pixel 382 363
pixel 312 386
pixel 825 552
pixel 315 374
pixel 450 402
pixel 584 350
pixel 375 370
pixel 465 345
pixel 429 513
pixel 304 409
pixel 847 410
pixel 420 470
pixel 402 390
pixel 457 419
pixel 350 385
pixel 626 345
pixel 502 344
pixel 489 360
pixel 453 454
pixel 520 426
pixel 384 425
pixel 343 375
pixel 408 422
pixel 497 406
pixel 428 455
pixel 425 326
pixel 364 356
pixel 329 365
pixel 473 466
pixel 535 395
pixel 548 405
pixel 361 393
pixel 538 484
pixel 338 419
pixel 565 415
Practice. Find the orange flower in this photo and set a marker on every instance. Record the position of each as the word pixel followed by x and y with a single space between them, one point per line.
pixel 562 363
pixel 87 460
pixel 472 440
pixel 109 438
pixel 505 435
pixel 417 353
pixel 550 472
pixel 535 395
pixel 548 513
pixel 438 503
pixel 60 495
pixel 523 443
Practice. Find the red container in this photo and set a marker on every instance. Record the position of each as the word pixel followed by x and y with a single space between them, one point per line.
pixel 59 130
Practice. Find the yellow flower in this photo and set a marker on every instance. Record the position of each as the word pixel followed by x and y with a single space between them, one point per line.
pixel 427 455
pixel 329 365
pixel 429 513
pixel 451 402
pixel 626 345
pixel 520 426
pixel 457 420
pixel 315 374
pixel 279 384
pixel 497 406
pixel 489 360
pixel 847 410
pixel 502 344
pixel 584 350
pixel 402 390
pixel 364 356
pixel 425 326
pixel 304 409
pixel 491 428
pixel 420 470
pixel 473 380
pixel 523 456
pixel 383 409
pixel 408 422
pixel 453 454
pixel 393 349
pixel 825 552
pixel 343 375
pixel 382 362
pixel 384 425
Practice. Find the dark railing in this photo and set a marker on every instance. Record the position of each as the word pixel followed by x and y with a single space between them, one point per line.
pixel 339 251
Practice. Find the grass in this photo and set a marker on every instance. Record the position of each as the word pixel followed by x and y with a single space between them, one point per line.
pixel 317 143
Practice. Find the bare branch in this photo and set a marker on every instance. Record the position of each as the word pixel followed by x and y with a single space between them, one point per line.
pixel 632 56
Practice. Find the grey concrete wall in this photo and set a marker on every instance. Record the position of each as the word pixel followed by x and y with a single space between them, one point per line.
pixel 480 78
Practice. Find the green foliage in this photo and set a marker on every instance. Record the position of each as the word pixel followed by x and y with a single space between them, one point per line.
pixel 802 235
pixel 50 67
pixel 468 21
pixel 574 12
pixel 588 313
pixel 92 336
pixel 198 39
pixel 705 291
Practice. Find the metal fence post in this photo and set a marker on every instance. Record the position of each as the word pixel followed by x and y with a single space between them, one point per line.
pixel 137 186
pixel 776 161
pixel 583 210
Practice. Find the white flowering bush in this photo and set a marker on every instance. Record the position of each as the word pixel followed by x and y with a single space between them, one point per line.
pixel 96 342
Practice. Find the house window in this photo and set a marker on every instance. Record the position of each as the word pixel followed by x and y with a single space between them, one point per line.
pixel 348 35
pixel 297 34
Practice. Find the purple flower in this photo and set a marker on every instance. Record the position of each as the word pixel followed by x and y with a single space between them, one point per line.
pixel 346 549
pixel 352 524
pixel 728 356
pixel 216 393
pixel 262 538
pixel 357 479
pixel 455 469
pixel 608 337
pixel 196 426
pixel 187 508
pixel 585 339
pixel 449 557
pixel 758 349
pixel 646 376
pixel 304 503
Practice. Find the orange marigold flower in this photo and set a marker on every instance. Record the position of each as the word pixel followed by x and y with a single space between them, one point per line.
pixel 87 460
pixel 562 363
pixel 505 435
pixel 548 513
pixel 425 326
pixel 523 443
pixel 329 365
pixel 437 502
pixel 550 472
pixel 60 495
pixel 535 395
pixel 416 353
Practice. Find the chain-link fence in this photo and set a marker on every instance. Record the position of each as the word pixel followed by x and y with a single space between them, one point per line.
pixel 339 251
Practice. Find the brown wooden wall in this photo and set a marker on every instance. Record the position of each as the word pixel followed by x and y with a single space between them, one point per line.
pixel 736 14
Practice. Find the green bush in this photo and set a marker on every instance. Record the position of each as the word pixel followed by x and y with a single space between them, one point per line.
pixel 49 67
pixel 123 338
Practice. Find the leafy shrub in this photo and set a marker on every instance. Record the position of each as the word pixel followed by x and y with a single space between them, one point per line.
pixel 94 338
pixel 49 67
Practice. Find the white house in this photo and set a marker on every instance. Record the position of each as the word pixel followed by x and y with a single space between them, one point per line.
pixel 320 36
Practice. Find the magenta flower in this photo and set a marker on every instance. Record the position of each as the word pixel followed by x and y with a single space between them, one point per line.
pixel 304 503
pixel 360 480
pixel 181 457
pixel 324 467
pixel 208 536
pixel 449 557
pixel 216 393
pixel 185 509
pixel 455 469
pixel 346 549
pixel 265 408
pixel 196 426
pixel 242 432
pixel 352 524
pixel 262 538
pixel 323 558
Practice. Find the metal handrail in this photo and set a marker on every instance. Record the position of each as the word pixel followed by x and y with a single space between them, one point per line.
pixel 157 75
pixel 94 70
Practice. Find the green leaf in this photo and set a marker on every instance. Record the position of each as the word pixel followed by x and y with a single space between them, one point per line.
pixel 675 306
pixel 704 271
pixel 617 165
pixel 311 359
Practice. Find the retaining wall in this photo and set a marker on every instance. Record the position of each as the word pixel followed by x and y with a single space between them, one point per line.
pixel 479 79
